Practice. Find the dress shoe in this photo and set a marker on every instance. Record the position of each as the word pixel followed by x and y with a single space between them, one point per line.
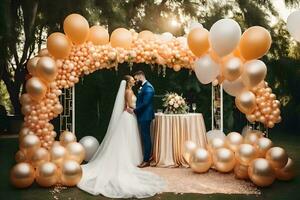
pixel 144 164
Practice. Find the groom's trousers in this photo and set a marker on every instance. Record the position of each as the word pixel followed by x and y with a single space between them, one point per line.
pixel 146 139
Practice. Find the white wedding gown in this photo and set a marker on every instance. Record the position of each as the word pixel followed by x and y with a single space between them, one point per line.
pixel 112 171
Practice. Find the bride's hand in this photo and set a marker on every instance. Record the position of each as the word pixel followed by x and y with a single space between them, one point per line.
pixel 130 110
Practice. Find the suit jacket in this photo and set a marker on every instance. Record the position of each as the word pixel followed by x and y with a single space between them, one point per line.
pixel 144 104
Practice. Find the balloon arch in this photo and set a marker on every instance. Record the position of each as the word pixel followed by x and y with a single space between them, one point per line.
pixel 222 56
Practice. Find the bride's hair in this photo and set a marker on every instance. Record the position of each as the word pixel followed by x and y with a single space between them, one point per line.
pixel 127 79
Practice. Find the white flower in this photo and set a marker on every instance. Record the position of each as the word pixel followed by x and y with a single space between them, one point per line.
pixel 171 102
pixel 177 98
pixel 176 105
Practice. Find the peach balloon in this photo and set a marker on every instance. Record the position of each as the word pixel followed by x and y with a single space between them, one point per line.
pixel 40 156
pixel 241 171
pixel 287 172
pixel 277 157
pixel 20 156
pixel 98 35
pixel 201 160
pixel 263 145
pixel 146 35
pixel 234 140
pixel 261 172
pixel 245 154
pixel 29 144
pixel 75 151
pixel 58 45
pixel 46 69
pixel 224 160
pixel 47 174
pixel 58 154
pixel 71 173
pixel 254 72
pixel 67 137
pixel 43 52
pixel 246 102
pixel 255 42
pixel 121 37
pixel 36 88
pixel 32 64
pixel 76 28
pixel 198 41
pixel 232 68
pixel 252 136
pixel 25 99
pixel 22 175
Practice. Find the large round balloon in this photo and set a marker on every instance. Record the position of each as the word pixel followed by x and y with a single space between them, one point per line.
pixel 75 151
pixel 47 174
pixel 261 172
pixel 90 144
pixel 254 73
pixel 166 37
pixel 255 42
pixel 121 37
pixel 245 154
pixel 76 28
pixel 29 144
pixel 194 24
pixel 287 172
pixel 22 175
pixel 206 69
pixel 198 41
pixel 58 45
pixel 215 134
pixel 234 140
pixel 224 36
pixel 224 160
pixel 241 171
pixel 40 156
pixel 233 88
pixel 293 25
pixel 98 35
pixel 46 69
pixel 146 35
pixel 58 154
pixel 201 160
pixel 36 88
pixel 67 137
pixel 246 102
pixel 277 157
pixel 71 173
pixel 232 68
pixel 263 145
pixel 32 64
pixel 189 147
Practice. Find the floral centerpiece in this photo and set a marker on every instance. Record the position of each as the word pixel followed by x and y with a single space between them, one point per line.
pixel 174 104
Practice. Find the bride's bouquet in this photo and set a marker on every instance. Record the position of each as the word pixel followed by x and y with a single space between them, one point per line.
pixel 174 104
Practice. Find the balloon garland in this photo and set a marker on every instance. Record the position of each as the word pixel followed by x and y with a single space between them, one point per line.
pixel 221 55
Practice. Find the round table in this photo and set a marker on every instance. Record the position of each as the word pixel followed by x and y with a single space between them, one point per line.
pixel 169 133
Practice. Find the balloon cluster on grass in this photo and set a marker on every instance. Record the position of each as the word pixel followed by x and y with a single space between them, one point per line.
pixel 252 156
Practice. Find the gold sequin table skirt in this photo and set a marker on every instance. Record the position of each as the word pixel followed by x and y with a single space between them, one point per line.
pixel 169 133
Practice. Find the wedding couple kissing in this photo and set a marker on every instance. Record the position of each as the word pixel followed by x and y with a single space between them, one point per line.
pixel 115 169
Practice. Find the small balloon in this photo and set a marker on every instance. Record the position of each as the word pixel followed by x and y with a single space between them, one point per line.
pixel 252 136
pixel 36 88
pixel 46 69
pixel 31 65
pixel 20 156
pixel 241 171
pixel 233 88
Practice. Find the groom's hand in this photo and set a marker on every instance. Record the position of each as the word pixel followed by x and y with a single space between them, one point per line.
pixel 130 110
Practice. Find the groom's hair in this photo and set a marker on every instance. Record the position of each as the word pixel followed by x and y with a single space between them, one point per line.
pixel 137 73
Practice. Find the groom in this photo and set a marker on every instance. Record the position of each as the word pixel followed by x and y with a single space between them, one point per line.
pixel 145 114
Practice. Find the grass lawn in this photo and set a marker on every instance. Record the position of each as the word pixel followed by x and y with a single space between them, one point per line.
pixel 279 190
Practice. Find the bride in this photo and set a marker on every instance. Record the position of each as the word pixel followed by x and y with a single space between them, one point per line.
pixel 112 171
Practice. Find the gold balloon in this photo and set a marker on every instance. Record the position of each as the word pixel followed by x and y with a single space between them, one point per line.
pixel 224 160
pixel 76 28
pixel 252 136
pixel 20 156
pixel 198 41
pixel 245 154
pixel 232 68
pixel 261 172
pixel 47 174
pixel 255 42
pixel 46 69
pixel 146 35
pixel 277 157
pixel 71 173
pixel 189 147
pixel 29 144
pixel 26 109
pixel 200 160
pixel 98 35
pixel 287 172
pixel 25 99
pixel 245 102
pixel 23 132
pixel 43 52
pixel 254 72
pixel 216 143
pixel 58 108
pixel 22 175
pixel 121 37
pixel 36 88
pixel 263 145
pixel 58 154
pixel 58 45
pixel 241 171
pixel 233 140
pixel 32 64
pixel 40 156
pixel 75 151
pixel 67 137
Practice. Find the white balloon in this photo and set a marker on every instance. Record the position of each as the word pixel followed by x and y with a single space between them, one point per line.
pixel 90 144
pixel 166 37
pixel 293 25
pixel 194 24
pixel 225 35
pixel 233 88
pixel 206 69
pixel 215 134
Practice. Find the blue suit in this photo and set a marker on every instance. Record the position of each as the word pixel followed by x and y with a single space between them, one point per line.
pixel 145 114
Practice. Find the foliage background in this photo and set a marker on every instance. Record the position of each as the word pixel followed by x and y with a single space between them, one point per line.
pixel 25 25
